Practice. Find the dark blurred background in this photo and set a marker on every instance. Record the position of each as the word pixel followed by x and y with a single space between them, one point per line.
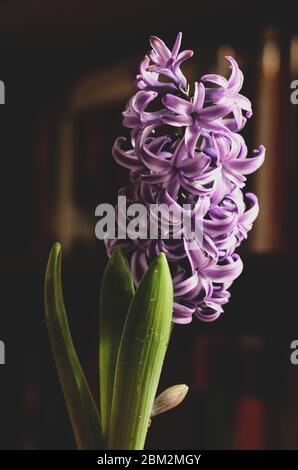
pixel 68 68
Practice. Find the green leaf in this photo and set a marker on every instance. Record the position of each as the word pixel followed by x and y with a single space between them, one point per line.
pixel 141 355
pixel 80 404
pixel 116 294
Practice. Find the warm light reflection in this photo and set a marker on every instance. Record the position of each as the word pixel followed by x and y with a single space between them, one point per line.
pixel 222 52
pixel 294 55
pixel 267 233
pixel 271 58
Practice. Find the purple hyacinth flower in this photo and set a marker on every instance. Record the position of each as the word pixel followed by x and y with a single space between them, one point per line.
pixel 227 92
pixel 162 61
pixel 231 154
pixel 228 223
pixel 135 116
pixel 168 62
pixel 197 175
pixel 188 156
pixel 193 116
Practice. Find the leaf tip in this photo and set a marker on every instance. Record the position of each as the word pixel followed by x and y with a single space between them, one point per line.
pixel 117 254
pixel 160 261
pixel 56 248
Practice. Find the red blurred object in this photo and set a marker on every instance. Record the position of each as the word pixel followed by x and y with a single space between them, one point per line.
pixel 250 424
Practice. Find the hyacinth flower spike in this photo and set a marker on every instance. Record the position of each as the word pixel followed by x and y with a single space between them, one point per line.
pixel 184 155
pixel 198 154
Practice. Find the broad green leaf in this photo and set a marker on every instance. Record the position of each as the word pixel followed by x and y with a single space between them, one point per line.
pixel 141 355
pixel 80 404
pixel 116 294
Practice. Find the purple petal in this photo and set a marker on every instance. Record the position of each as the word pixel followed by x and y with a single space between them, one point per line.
pixel 154 162
pixel 179 154
pixel 235 81
pixel 243 102
pixel 226 272
pixel 210 247
pixel 216 79
pixel 249 216
pixel 155 144
pixel 193 167
pixel 177 121
pixel 219 226
pixel 247 166
pixel 184 55
pixel 192 133
pixel 214 112
pixel 182 314
pixel 181 287
pixel 209 314
pixel 124 158
pixel 160 48
pixel 156 178
pixel 233 126
pixel 177 45
pixel 238 117
pixel 177 105
pixel 142 99
pixel 199 97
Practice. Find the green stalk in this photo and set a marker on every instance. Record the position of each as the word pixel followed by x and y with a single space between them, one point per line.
pixel 141 355
pixel 80 403
pixel 116 294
